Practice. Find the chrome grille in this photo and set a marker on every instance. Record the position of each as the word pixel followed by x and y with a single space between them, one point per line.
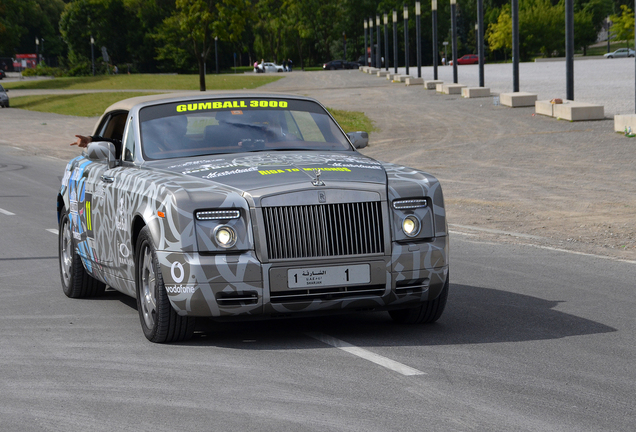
pixel 325 230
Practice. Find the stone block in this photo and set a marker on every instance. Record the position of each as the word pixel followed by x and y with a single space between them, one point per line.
pixel 623 121
pixel 517 99
pixel 578 111
pixel 432 84
pixel 383 73
pixel 391 76
pixel 414 81
pixel 401 78
pixel 373 71
pixel 544 107
pixel 450 89
pixel 475 92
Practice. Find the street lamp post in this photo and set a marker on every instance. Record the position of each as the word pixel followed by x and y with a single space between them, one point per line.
pixel 395 44
pixel 515 46
pixel 93 55
pixel 378 50
pixel 435 53
pixel 418 42
pixel 386 42
pixel 454 31
pixel 406 37
pixel 480 40
pixel 371 41
pixel 216 54
pixel 365 42
pixel 569 49
pixel 37 51
pixel 344 44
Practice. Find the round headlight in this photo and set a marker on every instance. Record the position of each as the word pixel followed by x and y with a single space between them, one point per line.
pixel 225 236
pixel 411 226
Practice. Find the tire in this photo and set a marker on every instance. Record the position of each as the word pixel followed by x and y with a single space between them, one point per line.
pixel 159 321
pixel 426 313
pixel 76 282
pixel 610 56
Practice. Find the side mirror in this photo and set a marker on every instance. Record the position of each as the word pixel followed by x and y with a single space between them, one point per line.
pixel 103 151
pixel 359 139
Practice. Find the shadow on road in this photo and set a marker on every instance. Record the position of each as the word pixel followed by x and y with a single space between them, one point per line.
pixel 474 315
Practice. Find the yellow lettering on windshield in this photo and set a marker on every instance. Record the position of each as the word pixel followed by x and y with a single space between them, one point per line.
pixel 214 105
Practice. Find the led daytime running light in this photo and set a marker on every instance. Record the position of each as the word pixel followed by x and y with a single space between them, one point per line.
pixel 218 214
pixel 410 204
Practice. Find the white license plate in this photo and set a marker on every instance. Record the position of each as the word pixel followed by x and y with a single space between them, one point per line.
pixel 329 276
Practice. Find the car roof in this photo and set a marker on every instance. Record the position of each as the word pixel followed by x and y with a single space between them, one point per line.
pixel 157 99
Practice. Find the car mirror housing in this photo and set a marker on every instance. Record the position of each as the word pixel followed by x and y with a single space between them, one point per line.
pixel 359 139
pixel 102 151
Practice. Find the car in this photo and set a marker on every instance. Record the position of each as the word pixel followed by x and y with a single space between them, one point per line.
pixel 269 67
pixel 466 59
pixel 247 206
pixel 2 74
pixel 4 97
pixel 339 64
pixel 621 52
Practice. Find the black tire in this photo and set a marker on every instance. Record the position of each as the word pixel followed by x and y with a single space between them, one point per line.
pixel 610 56
pixel 426 313
pixel 159 321
pixel 76 282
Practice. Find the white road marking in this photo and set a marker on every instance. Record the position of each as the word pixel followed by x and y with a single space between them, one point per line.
pixel 8 213
pixel 367 355
pixel 53 231
pixel 496 231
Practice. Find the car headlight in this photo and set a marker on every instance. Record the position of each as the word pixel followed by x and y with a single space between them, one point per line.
pixel 225 236
pixel 411 226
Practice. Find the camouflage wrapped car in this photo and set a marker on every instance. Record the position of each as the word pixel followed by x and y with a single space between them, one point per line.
pixel 247 206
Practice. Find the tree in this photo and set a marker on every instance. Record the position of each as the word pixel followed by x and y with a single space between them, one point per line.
pixel 623 25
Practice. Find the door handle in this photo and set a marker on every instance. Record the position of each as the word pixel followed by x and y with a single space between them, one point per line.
pixel 108 179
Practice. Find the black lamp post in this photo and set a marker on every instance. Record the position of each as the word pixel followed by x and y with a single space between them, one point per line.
pixel 569 49
pixel 216 54
pixel 406 37
pixel 365 43
pixel 37 51
pixel 386 42
pixel 480 40
pixel 395 44
pixel 93 54
pixel 418 42
pixel 454 31
pixel 435 53
pixel 515 45
pixel 378 50
pixel 371 41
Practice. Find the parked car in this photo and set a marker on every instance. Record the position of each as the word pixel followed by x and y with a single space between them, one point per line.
pixel 621 52
pixel 467 59
pixel 234 206
pixel 340 64
pixel 269 67
pixel 4 97
pixel 2 74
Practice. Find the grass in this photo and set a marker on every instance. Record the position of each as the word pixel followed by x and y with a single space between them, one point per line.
pixel 94 104
pixel 81 105
pixel 148 82
pixel 352 121
pixel 601 49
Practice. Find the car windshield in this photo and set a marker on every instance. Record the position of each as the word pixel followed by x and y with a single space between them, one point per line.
pixel 203 127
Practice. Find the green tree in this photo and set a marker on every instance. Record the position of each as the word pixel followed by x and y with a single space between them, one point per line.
pixel 623 25
pixel 194 25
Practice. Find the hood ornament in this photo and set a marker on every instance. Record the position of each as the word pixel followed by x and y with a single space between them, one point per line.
pixel 317 181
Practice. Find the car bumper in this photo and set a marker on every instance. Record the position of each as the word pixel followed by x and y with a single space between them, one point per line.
pixel 239 286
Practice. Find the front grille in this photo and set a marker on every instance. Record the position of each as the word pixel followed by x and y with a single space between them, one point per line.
pixel 326 230
pixel 326 294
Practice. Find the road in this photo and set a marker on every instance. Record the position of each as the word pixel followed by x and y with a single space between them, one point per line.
pixel 532 340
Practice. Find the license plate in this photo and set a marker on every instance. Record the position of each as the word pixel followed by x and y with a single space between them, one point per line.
pixel 328 276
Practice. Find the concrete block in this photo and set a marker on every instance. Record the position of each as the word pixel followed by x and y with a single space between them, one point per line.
pixel 373 71
pixel 432 84
pixel 383 73
pixel 518 99
pixel 391 76
pixel 577 111
pixel 544 107
pixel 475 92
pixel 401 78
pixel 450 89
pixel 623 121
pixel 414 81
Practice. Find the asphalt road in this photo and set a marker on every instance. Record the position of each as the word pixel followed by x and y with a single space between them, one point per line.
pixel 532 340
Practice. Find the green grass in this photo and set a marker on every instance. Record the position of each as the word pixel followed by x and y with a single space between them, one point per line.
pixel 94 104
pixel 149 82
pixel 81 105
pixel 352 121
pixel 602 49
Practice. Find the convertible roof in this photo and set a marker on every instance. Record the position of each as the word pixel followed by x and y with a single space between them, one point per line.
pixel 128 104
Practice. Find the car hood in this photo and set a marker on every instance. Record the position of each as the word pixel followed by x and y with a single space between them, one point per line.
pixel 252 171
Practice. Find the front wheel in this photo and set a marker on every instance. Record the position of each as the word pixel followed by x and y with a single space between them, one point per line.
pixel 159 321
pixel 76 282
pixel 427 312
